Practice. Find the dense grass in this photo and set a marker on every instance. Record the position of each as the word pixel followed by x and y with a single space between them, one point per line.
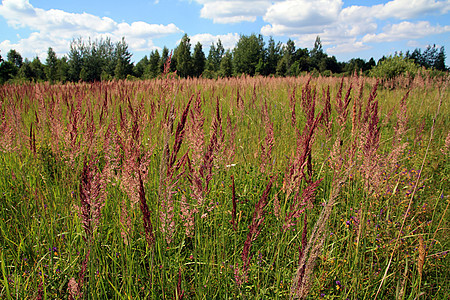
pixel 258 188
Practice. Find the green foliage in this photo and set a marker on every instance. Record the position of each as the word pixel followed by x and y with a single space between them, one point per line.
pixel 247 54
pixel 394 66
pixel 198 60
pixel 183 58
pixel 51 69
pixel 215 55
pixel 226 65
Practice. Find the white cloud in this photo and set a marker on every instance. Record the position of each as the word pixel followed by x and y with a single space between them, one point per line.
pixel 300 13
pixel 206 39
pixel 404 31
pixel 349 29
pixel 56 28
pixel 233 11
pixel 406 9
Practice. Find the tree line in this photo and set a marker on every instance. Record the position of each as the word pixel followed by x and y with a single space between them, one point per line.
pixel 104 60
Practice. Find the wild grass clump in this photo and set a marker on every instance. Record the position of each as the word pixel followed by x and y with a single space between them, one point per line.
pixel 253 188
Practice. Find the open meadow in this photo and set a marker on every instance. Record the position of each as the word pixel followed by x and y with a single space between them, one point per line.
pixel 239 188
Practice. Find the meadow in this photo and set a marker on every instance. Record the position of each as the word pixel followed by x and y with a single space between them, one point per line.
pixel 239 188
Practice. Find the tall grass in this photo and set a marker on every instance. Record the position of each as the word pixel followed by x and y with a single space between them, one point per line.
pixel 249 188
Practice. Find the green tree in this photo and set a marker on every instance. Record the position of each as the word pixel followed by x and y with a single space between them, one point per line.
pixel 247 54
pixel 226 65
pixel 273 56
pixel 124 67
pixel 139 68
pixel 25 71
pixel 183 57
pixel 153 69
pixel 15 58
pixel 7 71
pixel 62 73
pixel 285 63
pixel 215 55
pixel 393 66
pixel 51 62
pixel 439 63
pixel 38 69
pixel 76 57
pixel 317 56
pixel 198 60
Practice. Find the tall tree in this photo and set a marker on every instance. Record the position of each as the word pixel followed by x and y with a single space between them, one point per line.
pixel 139 68
pixel 15 58
pixel 124 67
pixel 216 52
pixel 183 57
pixel 226 65
pixel 51 68
pixel 62 69
pixel 273 56
pixel 317 56
pixel 284 65
pixel 198 60
pixel 247 54
pixel 76 55
pixel 38 69
pixel 153 69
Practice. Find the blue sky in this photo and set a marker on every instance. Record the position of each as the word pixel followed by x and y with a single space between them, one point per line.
pixel 347 29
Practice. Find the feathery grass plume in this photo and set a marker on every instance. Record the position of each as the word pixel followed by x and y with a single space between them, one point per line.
pixel 187 215
pixel 327 121
pixel 295 168
pixel 267 145
pixel 298 204
pixel 369 144
pixel 341 105
pixel 10 127
pixel 302 280
pixel 91 198
pixel 148 227
pixel 421 258
pixel 72 138
pixel 201 175
pixel 302 246
pixel 32 140
pixel 180 293
pixel 73 289
pixel 169 167
pixel 254 229
pixel 292 101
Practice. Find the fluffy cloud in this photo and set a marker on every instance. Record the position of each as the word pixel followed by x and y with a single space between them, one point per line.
pixel 233 11
pixel 404 31
pixel 406 9
pixel 303 13
pixel 57 28
pixel 349 29
pixel 206 39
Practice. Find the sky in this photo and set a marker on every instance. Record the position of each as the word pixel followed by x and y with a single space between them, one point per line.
pixel 347 29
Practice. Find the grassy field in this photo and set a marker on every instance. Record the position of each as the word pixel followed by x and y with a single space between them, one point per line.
pixel 248 188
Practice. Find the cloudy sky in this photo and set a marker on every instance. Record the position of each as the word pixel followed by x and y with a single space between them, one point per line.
pixel 347 28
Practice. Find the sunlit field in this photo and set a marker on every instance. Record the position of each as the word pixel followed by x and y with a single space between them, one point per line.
pixel 240 188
